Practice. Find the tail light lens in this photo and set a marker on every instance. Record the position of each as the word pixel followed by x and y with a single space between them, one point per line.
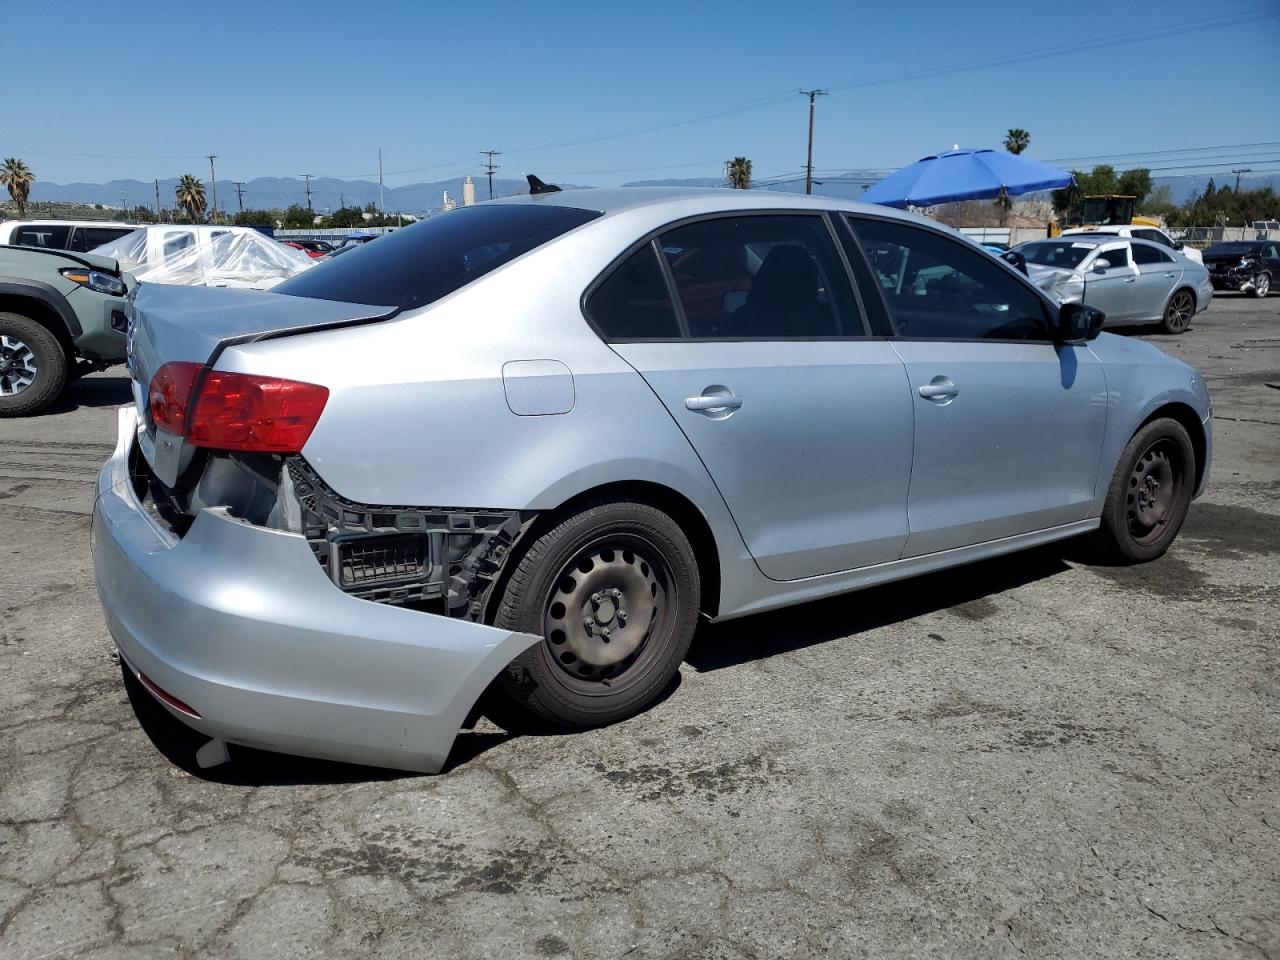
pixel 236 411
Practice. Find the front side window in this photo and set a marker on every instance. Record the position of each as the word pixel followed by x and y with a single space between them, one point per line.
pixel 633 302
pixel 431 259
pixel 753 277
pixel 90 238
pixel 1117 257
pixel 938 288
pixel 177 242
pixel 1270 251
pixel 53 237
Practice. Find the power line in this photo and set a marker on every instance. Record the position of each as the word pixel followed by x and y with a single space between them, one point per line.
pixel 1228 147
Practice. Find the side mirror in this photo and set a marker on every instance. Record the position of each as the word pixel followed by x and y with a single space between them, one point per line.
pixel 1016 259
pixel 1101 265
pixel 1079 323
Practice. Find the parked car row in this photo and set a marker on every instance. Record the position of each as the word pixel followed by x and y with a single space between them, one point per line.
pixel 674 405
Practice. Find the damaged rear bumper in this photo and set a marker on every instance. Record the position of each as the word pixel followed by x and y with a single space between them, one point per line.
pixel 241 624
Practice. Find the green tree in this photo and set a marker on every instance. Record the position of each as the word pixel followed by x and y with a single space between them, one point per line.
pixel 190 196
pixel 1135 183
pixel 298 217
pixel 738 172
pixel 1017 140
pixel 258 218
pixel 17 177
pixel 345 217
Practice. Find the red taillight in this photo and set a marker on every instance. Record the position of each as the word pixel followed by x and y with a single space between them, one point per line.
pixel 169 395
pixel 164 696
pixel 236 411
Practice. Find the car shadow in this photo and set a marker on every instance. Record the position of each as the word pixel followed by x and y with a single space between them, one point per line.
pixel 734 642
pixel 111 391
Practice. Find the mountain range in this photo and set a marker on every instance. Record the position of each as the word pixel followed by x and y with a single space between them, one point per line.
pixel 328 193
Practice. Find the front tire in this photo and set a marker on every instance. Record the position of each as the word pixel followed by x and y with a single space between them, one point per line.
pixel 33 366
pixel 1261 286
pixel 614 592
pixel 1149 494
pixel 1179 311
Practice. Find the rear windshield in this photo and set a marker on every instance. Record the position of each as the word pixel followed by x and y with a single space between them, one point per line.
pixel 429 260
pixel 1057 253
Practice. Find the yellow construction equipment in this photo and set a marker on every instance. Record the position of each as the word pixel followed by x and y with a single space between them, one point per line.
pixel 1104 210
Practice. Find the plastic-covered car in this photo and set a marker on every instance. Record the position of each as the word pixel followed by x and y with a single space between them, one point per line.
pixel 505 459
pixel 206 256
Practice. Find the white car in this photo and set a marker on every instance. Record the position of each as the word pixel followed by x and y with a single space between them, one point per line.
pixel 77 235
pixel 1139 232
pixel 206 256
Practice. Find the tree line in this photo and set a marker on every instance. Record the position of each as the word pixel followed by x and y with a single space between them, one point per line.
pixel 1216 206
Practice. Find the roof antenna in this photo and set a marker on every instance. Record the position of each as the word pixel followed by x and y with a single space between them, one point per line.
pixel 536 186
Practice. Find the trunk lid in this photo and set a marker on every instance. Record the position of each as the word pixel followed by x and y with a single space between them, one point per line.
pixel 171 323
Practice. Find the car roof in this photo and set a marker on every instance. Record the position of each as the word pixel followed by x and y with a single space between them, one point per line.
pixel 612 200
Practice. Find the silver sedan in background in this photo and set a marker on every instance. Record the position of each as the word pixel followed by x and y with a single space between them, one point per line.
pixel 507 458
pixel 1132 281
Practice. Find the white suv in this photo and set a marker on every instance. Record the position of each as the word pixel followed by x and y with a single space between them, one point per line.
pixel 1154 234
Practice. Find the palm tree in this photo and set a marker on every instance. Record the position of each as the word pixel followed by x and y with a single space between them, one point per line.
pixel 738 172
pixel 1017 140
pixel 190 196
pixel 17 176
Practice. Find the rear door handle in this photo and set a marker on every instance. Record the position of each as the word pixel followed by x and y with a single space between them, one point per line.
pixel 1170 275
pixel 1130 279
pixel 940 390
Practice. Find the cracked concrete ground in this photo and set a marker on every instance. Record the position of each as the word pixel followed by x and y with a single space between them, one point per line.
pixel 1030 757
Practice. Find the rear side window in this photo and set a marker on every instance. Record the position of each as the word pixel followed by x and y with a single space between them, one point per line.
pixel 1143 255
pixel 90 238
pixel 429 260
pixel 633 302
pixel 53 237
pixel 761 277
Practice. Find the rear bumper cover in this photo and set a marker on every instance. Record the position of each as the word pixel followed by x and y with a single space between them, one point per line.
pixel 242 624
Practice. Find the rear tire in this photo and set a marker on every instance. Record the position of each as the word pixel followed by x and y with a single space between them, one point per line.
pixel 1261 286
pixel 33 366
pixel 1179 311
pixel 614 592
pixel 1149 494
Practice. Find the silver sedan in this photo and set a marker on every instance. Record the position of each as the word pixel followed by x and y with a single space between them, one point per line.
pixel 1130 280
pixel 508 458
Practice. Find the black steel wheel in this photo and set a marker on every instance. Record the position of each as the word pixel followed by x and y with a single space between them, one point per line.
pixel 1179 311
pixel 614 591
pixel 1149 494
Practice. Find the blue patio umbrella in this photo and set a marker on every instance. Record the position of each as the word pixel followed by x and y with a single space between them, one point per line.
pixel 964 175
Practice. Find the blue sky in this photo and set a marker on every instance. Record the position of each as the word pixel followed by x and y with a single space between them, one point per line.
pixel 144 89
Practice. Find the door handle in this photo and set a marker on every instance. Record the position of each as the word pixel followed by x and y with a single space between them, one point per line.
pixel 1130 279
pixel 1170 275
pixel 940 390
pixel 716 402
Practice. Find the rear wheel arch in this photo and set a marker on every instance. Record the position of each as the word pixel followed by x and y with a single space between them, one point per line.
pixel 671 502
pixel 1185 415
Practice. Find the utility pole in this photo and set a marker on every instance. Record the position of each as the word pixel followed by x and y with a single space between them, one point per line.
pixel 239 193
pixel 1238 172
pixel 158 217
pixel 213 178
pixel 808 167
pixel 490 167
pixel 307 177
pixel 381 208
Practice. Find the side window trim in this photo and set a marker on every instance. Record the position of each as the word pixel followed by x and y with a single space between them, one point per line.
pixel 849 278
pixel 655 245
pixel 847 226
pixel 1046 305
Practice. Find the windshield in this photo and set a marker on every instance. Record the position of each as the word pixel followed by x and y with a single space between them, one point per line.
pixel 1057 253
pixel 429 260
pixel 1233 249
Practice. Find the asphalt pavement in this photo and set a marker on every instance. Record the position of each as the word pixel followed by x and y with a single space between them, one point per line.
pixel 1027 757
